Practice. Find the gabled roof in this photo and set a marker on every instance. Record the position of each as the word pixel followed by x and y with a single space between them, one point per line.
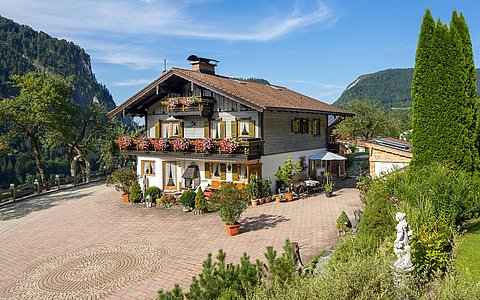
pixel 256 95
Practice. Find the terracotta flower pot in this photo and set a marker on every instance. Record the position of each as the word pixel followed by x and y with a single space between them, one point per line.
pixel 255 202
pixel 289 197
pixel 125 197
pixel 233 229
pixel 278 199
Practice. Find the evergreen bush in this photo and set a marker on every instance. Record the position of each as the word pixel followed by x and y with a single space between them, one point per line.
pixel 343 222
pixel 188 199
pixel 200 202
pixel 154 193
pixel 135 192
pixel 122 179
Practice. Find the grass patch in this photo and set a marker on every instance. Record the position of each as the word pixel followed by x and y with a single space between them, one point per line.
pixel 468 262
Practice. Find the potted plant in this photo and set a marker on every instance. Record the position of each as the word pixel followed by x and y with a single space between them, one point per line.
pixel 267 190
pixel 135 192
pixel 188 200
pixel 151 194
pixel 231 203
pixel 122 179
pixel 167 200
pixel 328 186
pixel 254 189
pixel 285 174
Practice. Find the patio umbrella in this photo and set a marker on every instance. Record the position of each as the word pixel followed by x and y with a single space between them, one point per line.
pixel 326 156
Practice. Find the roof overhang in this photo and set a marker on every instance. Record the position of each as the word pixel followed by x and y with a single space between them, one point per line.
pixel 298 110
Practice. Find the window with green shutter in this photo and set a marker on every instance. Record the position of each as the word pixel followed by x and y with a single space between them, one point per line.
pixel 246 128
pixel 234 172
pixel 207 170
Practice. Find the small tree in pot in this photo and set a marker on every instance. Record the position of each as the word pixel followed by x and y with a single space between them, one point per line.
pixel 188 199
pixel 285 174
pixel 122 179
pixel 151 195
pixel 231 203
pixel 135 192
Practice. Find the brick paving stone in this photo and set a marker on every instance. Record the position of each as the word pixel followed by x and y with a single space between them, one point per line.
pixel 41 234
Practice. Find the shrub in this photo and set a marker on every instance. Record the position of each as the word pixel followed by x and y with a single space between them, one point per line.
pixel 222 280
pixel 135 192
pixel 266 187
pixel 343 222
pixel 188 198
pixel 230 201
pixel 254 187
pixel 200 202
pixel 122 179
pixel 154 192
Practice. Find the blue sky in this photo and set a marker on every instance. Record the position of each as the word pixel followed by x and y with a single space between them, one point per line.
pixel 314 47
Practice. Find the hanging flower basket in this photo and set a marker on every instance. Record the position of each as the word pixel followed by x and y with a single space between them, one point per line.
pixel 228 145
pixel 180 144
pixel 160 144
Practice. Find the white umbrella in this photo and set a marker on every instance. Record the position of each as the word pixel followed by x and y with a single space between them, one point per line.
pixel 326 156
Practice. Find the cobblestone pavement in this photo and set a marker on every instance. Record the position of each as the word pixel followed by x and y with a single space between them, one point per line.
pixel 86 243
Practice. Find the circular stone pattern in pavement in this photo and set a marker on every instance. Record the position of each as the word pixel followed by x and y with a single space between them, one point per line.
pixel 93 272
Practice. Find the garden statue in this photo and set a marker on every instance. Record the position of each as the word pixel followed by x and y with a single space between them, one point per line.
pixel 401 248
pixel 403 265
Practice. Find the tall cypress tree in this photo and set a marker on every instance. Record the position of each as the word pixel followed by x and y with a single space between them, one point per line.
pixel 422 92
pixel 444 95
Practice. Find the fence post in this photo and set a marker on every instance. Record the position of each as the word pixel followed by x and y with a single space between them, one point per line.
pixel 57 179
pixel 12 187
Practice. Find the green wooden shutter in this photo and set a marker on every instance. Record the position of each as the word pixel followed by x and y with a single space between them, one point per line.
pixel 234 172
pixel 223 172
pixel 251 129
pixel 234 129
pixel 207 170
pixel 157 130
pixel 310 127
pixel 206 129
pixel 223 129
pixel 180 128
pixel 293 126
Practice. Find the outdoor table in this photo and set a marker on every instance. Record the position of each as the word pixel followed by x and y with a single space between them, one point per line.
pixel 311 185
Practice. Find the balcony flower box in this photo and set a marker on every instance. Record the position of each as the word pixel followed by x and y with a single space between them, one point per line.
pixel 182 102
pixel 125 141
pixel 159 144
pixel 229 145
pixel 204 145
pixel 142 143
pixel 180 144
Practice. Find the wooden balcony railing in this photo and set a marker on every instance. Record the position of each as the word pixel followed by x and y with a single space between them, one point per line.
pixel 246 150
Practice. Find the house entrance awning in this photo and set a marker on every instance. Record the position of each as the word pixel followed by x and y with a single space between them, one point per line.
pixel 325 155
pixel 191 172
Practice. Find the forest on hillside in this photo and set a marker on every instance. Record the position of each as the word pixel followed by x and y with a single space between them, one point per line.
pixel 389 88
pixel 22 50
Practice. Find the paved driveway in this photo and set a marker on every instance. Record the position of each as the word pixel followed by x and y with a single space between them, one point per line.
pixel 87 243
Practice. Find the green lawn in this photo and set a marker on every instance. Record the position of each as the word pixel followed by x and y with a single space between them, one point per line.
pixel 468 260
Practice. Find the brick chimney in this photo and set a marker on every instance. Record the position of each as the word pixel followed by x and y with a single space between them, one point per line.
pixel 202 64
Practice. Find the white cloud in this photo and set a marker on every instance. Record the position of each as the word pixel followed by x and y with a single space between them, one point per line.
pixel 160 17
pixel 126 32
pixel 133 82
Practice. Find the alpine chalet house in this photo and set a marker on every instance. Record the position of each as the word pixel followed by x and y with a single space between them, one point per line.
pixel 203 128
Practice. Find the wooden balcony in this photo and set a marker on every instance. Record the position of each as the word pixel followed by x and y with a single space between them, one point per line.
pixel 204 109
pixel 247 150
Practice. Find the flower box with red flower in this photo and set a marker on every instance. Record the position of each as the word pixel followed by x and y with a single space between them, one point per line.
pixel 159 144
pixel 229 145
pixel 142 143
pixel 180 144
pixel 125 141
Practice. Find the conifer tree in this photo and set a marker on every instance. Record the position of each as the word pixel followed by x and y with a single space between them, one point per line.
pixel 444 99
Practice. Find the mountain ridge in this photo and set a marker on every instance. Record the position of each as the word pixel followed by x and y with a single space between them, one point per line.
pixel 23 49
pixel 390 88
